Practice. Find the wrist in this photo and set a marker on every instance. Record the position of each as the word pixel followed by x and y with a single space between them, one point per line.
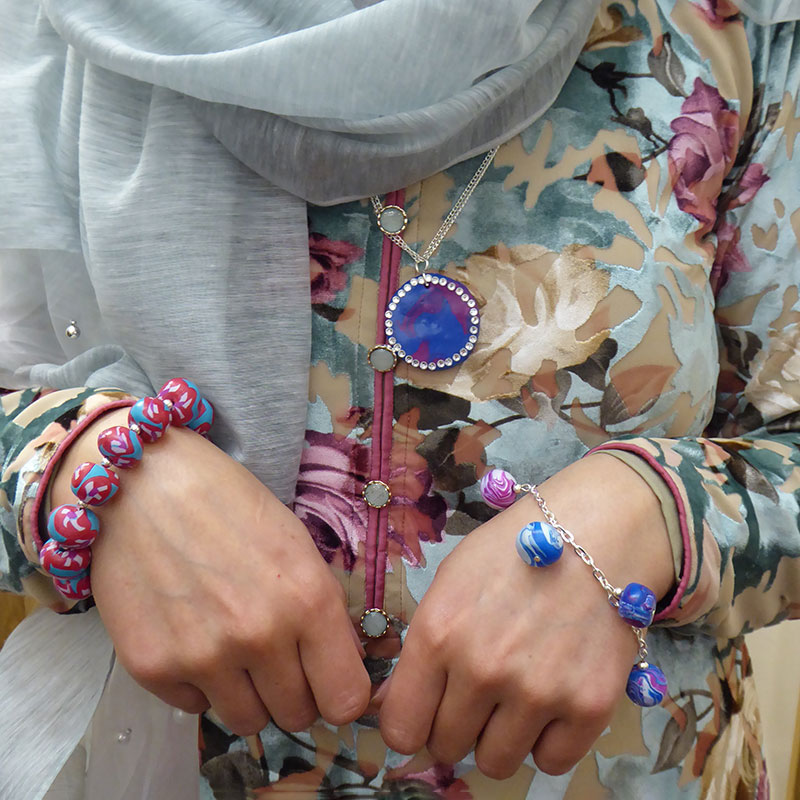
pixel 617 517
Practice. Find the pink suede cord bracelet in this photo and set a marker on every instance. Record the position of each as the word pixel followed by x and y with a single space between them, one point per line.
pixel 73 528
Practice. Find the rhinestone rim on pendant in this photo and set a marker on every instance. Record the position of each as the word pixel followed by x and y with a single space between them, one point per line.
pixel 466 305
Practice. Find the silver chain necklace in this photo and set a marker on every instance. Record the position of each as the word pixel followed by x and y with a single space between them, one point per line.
pixel 432 322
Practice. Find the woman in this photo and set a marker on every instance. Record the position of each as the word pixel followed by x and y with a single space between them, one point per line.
pixel 631 253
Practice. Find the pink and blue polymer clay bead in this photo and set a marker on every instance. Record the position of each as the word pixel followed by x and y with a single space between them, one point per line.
pixel 539 544
pixel 94 484
pixel 121 446
pixel 647 685
pixel 74 588
pixel 151 416
pixel 498 489
pixel 64 563
pixel 185 399
pixel 637 605
pixel 72 527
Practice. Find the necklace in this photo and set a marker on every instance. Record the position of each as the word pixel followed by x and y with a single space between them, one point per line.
pixel 432 321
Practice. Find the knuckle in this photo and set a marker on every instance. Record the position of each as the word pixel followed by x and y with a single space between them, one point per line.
pixel 497 769
pixel 486 676
pixel 445 753
pixel 594 708
pixel 297 720
pixel 554 761
pixel 346 708
pixel 151 669
pixel 399 738
pixel 246 724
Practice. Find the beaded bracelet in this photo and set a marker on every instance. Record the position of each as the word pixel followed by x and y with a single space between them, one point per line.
pixel 540 544
pixel 73 528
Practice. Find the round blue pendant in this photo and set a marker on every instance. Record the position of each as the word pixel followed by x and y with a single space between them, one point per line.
pixel 432 322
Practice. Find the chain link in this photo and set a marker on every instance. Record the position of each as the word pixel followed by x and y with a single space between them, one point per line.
pixel 422 261
pixel 569 538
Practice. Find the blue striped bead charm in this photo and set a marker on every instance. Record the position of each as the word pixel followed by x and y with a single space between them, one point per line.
pixel 539 545
pixel 647 685
pixel 637 605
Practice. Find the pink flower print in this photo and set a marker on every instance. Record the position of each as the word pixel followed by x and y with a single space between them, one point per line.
pixel 718 12
pixel 333 472
pixel 729 257
pixel 328 258
pixel 749 184
pixel 702 151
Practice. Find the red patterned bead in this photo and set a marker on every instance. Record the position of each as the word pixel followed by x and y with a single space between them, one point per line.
pixel 152 417
pixel 121 446
pixel 64 563
pixel 72 527
pixel 74 588
pixel 94 484
pixel 185 398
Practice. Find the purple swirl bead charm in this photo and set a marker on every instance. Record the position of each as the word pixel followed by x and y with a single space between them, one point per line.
pixel 637 605
pixel 94 484
pixel 63 563
pixel 497 489
pixel 74 588
pixel 121 446
pixel 73 528
pixel 151 416
pixel 539 544
pixel 647 685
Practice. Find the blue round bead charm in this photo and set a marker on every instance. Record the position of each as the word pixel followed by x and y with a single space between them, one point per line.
pixel 647 685
pixel 637 605
pixel 539 544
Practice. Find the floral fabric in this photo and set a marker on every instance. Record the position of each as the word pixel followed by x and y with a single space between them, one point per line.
pixel 634 257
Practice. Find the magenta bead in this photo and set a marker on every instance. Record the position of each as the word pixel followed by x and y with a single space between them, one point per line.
pixel 497 489
pixel 94 484
pixel 185 398
pixel 73 528
pixel 74 588
pixel 64 563
pixel 121 446
pixel 151 416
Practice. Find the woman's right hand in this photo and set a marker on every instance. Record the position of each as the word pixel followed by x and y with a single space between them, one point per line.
pixel 214 593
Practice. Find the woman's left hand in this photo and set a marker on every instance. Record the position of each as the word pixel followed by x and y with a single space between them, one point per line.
pixel 508 659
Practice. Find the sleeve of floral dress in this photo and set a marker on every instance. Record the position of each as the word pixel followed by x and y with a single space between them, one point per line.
pixel 36 427
pixel 737 490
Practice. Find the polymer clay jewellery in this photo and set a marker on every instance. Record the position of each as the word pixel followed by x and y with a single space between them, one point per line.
pixel 73 528
pixel 540 544
pixel 432 322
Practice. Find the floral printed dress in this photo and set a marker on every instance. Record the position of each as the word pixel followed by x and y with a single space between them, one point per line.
pixel 634 257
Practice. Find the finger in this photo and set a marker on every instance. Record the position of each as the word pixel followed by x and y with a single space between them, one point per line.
pixel 462 714
pixel 335 672
pixel 236 702
pixel 409 705
pixel 563 743
pixel 282 686
pixel 507 739
pixel 184 696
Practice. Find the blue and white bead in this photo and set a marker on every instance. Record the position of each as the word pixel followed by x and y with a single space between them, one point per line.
pixel 637 605
pixel 647 685
pixel 539 544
